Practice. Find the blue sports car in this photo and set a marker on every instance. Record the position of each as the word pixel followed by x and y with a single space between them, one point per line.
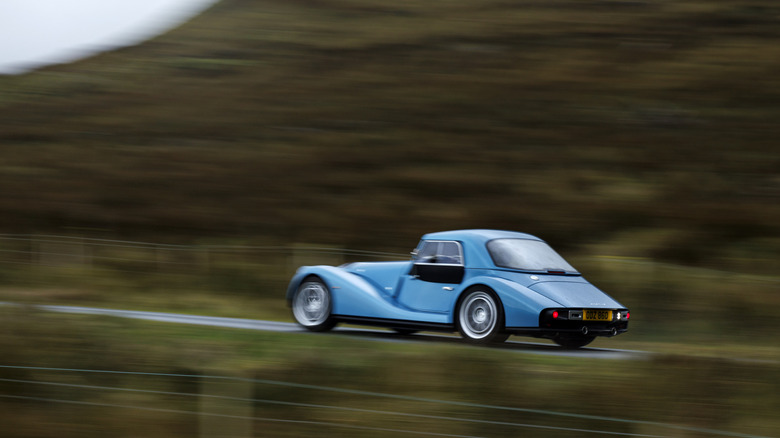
pixel 485 284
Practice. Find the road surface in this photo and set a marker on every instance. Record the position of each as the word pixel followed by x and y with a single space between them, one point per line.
pixel 364 333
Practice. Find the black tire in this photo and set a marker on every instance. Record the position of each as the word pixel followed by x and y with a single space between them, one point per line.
pixel 480 316
pixel 312 304
pixel 573 341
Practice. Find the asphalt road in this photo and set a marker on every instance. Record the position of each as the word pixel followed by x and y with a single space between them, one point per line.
pixel 362 333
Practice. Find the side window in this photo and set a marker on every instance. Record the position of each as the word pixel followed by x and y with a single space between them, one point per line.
pixel 426 252
pixel 449 252
pixel 440 252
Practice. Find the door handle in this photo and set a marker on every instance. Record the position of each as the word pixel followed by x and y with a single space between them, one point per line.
pixel 448 288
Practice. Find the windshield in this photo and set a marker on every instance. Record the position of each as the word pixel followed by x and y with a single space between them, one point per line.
pixel 527 255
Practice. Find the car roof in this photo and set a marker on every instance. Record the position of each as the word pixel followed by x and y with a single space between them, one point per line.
pixel 475 252
pixel 478 235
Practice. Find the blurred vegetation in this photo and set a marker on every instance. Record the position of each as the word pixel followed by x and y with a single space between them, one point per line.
pixel 688 392
pixel 639 138
pixel 644 124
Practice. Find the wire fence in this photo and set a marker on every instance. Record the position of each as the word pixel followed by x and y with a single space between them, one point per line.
pixel 81 263
pixel 58 250
pixel 255 404
pixel 64 251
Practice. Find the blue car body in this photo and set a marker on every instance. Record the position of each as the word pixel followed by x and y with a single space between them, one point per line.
pixel 425 293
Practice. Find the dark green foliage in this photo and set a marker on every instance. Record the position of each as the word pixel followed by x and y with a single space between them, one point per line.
pixel 365 124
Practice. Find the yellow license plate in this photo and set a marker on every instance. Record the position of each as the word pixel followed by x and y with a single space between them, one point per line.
pixel 597 315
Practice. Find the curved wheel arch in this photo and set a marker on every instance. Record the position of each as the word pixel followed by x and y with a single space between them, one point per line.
pixel 500 335
pixel 470 288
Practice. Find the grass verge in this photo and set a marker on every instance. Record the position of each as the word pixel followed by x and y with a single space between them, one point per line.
pixel 294 384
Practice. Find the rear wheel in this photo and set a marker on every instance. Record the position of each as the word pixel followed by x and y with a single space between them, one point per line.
pixel 311 305
pixel 480 317
pixel 573 341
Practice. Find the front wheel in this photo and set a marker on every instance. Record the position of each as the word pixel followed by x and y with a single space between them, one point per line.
pixel 311 306
pixel 480 317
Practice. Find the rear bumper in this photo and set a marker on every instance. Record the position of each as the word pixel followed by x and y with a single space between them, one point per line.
pixel 568 321
pixel 584 329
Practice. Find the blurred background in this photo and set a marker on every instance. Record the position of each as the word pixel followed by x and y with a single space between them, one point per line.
pixel 194 171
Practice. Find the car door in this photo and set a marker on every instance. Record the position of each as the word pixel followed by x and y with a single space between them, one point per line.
pixel 433 281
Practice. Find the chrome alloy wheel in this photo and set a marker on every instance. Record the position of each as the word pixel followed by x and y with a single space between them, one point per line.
pixel 478 315
pixel 311 306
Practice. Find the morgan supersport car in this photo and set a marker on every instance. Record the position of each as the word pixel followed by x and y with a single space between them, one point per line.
pixel 485 284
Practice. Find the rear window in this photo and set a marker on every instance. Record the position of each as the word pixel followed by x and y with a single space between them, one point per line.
pixel 527 255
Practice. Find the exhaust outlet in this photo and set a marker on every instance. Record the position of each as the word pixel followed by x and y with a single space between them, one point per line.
pixel 584 330
pixel 613 332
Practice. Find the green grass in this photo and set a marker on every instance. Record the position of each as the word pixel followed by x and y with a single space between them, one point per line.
pixel 681 390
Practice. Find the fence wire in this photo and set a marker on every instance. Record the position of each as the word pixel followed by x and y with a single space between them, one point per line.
pixel 328 389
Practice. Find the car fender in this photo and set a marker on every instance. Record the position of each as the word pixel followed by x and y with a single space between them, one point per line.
pixel 354 296
pixel 334 277
pixel 521 305
pixel 300 275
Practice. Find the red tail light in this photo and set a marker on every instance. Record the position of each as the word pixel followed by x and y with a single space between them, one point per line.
pixel 555 314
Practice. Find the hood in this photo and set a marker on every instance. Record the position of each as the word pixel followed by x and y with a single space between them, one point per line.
pixel 575 294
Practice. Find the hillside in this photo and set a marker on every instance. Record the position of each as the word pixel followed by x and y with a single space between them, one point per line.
pixel 649 128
